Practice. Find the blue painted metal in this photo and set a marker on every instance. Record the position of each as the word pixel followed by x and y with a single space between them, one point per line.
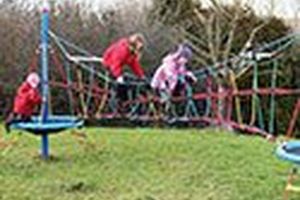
pixel 45 146
pixel 289 151
pixel 44 60
pixel 46 124
pixel 53 125
pixel 45 76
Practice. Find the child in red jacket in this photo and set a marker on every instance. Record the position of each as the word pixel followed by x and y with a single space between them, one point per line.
pixel 26 99
pixel 125 51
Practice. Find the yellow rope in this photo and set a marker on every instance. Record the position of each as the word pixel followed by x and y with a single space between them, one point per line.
pixel 81 94
pixel 103 99
pixel 232 78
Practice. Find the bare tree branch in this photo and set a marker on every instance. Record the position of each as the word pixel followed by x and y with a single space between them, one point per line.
pixel 209 32
pixel 230 39
pixel 200 16
pixel 219 9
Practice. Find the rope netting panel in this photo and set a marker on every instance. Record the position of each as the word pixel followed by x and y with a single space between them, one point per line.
pixel 91 91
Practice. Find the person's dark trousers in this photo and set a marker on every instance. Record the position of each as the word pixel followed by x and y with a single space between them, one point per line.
pixel 122 97
pixel 122 91
pixel 15 118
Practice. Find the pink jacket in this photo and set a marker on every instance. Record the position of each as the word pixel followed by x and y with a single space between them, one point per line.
pixel 167 75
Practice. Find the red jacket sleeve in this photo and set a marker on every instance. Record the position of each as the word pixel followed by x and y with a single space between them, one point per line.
pixel 137 68
pixel 35 97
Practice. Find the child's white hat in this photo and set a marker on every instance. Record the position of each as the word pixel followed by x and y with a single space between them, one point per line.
pixel 33 79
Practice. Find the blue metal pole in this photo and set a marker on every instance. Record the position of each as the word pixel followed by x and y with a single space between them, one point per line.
pixel 44 74
pixel 44 59
pixel 45 146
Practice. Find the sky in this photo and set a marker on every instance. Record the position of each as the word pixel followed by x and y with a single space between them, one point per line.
pixel 283 8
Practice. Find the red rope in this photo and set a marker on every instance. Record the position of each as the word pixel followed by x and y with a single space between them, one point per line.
pixel 293 120
pixel 235 125
pixel 229 105
pixel 59 65
pixel 224 94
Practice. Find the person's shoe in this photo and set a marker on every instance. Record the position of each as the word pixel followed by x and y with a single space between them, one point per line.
pixel 7 128
pixel 270 138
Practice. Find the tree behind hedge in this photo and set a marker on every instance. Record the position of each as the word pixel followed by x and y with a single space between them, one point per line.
pixel 221 31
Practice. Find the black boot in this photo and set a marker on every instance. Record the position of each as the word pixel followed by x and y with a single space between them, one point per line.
pixel 7 127
pixel 122 97
pixel 8 122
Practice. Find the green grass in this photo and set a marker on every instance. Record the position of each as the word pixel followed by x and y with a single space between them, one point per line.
pixel 142 164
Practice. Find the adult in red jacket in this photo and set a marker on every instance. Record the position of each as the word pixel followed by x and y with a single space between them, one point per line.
pixel 125 51
pixel 27 98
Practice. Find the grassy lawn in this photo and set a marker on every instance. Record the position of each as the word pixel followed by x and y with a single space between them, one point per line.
pixel 142 164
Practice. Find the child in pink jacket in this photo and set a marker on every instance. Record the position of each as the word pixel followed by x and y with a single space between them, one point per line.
pixel 166 77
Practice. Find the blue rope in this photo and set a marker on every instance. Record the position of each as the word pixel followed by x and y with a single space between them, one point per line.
pixel 69 44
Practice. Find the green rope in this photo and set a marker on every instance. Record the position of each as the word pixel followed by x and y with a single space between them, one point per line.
pixel 260 115
pixel 169 109
pixel 112 102
pixel 208 101
pixel 190 109
pixel 272 101
pixel 69 83
pixel 134 108
pixel 254 95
